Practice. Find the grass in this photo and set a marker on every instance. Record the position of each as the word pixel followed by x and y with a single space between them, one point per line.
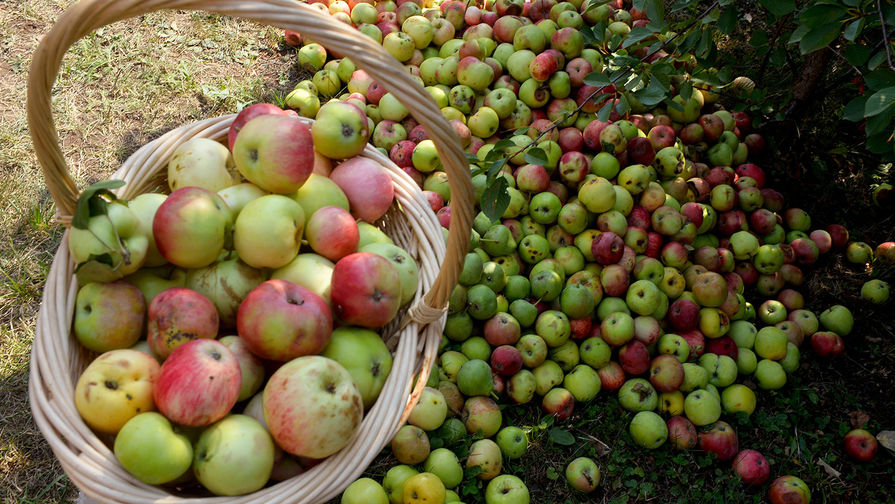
pixel 118 88
pixel 128 83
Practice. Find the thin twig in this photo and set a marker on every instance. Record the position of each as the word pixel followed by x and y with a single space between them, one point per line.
pixel 882 24
pixel 556 122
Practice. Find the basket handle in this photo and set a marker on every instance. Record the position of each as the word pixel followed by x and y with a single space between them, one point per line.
pixel 86 16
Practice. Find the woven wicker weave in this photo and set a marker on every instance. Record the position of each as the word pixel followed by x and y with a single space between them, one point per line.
pixel 57 359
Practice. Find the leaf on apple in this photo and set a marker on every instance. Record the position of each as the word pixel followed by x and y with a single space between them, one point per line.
pixel 93 201
pixel 495 198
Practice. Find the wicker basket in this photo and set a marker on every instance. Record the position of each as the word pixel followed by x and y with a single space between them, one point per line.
pixel 57 359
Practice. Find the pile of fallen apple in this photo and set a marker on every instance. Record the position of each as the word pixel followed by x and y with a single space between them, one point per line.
pixel 236 318
pixel 622 263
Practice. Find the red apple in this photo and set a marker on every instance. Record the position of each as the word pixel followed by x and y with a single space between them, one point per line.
pixel 720 439
pixel 752 467
pixel 253 111
pixel 198 384
pixel 280 321
pixel 179 315
pixel 682 433
pixel 366 290
pixel 367 185
pixel 860 445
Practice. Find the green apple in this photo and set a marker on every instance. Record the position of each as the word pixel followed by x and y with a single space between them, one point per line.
pixel 430 411
pixel 363 353
pixel 201 162
pixel 637 394
pixel 770 343
pixel 275 152
pixel 770 374
pixel 583 382
pixel 648 430
pixel 370 234
pixel 512 442
pixel 838 319
pixel 444 464
pixel 150 449
pixel 317 192
pixel 109 315
pixel 746 361
pixel 738 398
pixel 144 207
pixel 268 231
pixel 410 444
pixel 364 491
pixel 507 489
pixel 876 291
pixel 393 482
pixel 702 407
pixel 311 271
pixel 111 246
pixel 234 456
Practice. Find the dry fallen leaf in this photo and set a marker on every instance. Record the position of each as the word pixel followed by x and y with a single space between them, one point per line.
pixel 858 419
pixel 887 439
pixel 833 473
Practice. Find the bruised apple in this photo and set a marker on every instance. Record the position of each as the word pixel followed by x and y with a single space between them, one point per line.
pixel 312 406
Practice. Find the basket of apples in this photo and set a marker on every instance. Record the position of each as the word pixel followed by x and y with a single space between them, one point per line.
pixel 249 308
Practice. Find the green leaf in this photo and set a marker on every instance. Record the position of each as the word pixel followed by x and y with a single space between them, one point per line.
pixel 561 436
pixel 854 110
pixel 653 94
pixel 728 20
pixel 495 198
pixel 877 60
pixel 622 107
pixel 823 14
pixel 596 79
pixel 636 35
pixel 604 112
pixel 877 124
pixel 92 202
pixel 879 143
pixel 536 156
pixel 879 79
pixel 759 38
pixel 819 37
pixel 552 473
pixel 686 91
pixel 655 10
pixel 857 54
pixel 879 101
pixel 852 30
pixel 588 35
pixel 797 34
pixel 496 166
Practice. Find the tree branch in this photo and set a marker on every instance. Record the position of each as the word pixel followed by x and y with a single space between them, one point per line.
pixel 882 24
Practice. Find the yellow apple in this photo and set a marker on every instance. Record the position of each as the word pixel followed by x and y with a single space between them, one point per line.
pixel 424 488
pixel 115 387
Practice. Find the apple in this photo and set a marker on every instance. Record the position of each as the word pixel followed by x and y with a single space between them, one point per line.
pixel 770 374
pixel 719 439
pixel 198 384
pixel 702 408
pixel 876 291
pixel 367 185
pixel 752 468
pixel 234 456
pixel 364 491
pixel 275 152
pixel 827 344
pixel 179 315
pixel 225 283
pixel 332 232
pixel 268 231
pixel 481 413
pixel 252 111
pixel 423 488
pixel 115 387
pixel 648 430
pixel 109 316
pixel 838 319
pixel 485 454
pixel 638 394
pixel 789 489
pixel 366 289
pixel 512 442
pixel 407 268
pixel 149 448
pixel 280 320
pixel 189 227
pixel 394 480
pixel 507 489
pixel 859 253
pixel 583 475
pixel 251 369
pixel 444 464
pixel 312 387
pixel 317 192
pixel 681 433
pixel 410 445
pixel 860 445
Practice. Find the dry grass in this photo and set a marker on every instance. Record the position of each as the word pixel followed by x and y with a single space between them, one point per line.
pixel 119 88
